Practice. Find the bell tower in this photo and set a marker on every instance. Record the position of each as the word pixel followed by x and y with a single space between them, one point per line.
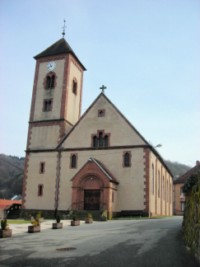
pixel 57 96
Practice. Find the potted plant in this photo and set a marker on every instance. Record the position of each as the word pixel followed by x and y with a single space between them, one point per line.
pixel 5 231
pixel 75 221
pixel 35 227
pixel 104 215
pixel 57 224
pixel 89 218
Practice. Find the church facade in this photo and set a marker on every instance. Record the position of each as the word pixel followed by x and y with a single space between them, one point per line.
pixel 97 161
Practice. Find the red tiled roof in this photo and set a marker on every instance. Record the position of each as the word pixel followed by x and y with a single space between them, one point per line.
pixel 4 203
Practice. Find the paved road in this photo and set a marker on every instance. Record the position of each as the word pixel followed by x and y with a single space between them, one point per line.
pixel 140 243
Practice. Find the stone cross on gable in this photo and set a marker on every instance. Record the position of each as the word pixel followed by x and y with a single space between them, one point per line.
pixel 103 87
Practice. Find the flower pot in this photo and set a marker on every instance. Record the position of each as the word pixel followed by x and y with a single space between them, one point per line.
pixel 88 220
pixel 33 228
pixel 57 225
pixel 75 223
pixel 5 233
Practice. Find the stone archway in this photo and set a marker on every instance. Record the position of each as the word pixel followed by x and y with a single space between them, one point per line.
pixel 90 194
pixel 92 187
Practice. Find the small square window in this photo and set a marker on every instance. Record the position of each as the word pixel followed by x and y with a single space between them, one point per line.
pixel 47 105
pixel 74 87
pixel 40 190
pixel 101 113
pixel 42 167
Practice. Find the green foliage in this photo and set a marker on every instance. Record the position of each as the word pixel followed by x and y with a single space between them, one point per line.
pixel 37 220
pixel 190 183
pixel 191 220
pixel 104 216
pixel 11 176
pixel 57 218
pixel 89 215
pixel 4 224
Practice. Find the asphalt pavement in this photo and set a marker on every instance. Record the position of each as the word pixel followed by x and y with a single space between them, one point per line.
pixel 140 243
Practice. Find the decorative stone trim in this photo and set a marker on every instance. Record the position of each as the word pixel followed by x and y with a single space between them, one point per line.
pixel 146 180
pixel 24 184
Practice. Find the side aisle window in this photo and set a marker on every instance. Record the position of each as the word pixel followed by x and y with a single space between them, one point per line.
pixel 126 159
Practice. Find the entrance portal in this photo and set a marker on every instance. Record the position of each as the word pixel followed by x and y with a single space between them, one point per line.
pixel 91 199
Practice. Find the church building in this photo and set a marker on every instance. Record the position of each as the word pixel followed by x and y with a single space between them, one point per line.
pixel 91 162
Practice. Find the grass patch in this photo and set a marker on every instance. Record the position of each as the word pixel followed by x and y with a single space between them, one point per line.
pixel 18 221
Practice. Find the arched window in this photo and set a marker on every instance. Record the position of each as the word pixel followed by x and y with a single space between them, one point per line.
pixel 95 141
pixel 127 159
pixel 158 183
pixel 167 194
pixel 50 81
pixel 101 140
pixel 106 140
pixel 74 87
pixel 73 161
pixel 40 190
pixel 163 189
pixel 153 179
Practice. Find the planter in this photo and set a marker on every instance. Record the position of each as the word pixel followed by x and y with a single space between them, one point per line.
pixel 5 233
pixel 88 220
pixel 33 228
pixel 75 223
pixel 57 225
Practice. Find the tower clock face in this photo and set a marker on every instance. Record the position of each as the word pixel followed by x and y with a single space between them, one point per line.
pixel 51 65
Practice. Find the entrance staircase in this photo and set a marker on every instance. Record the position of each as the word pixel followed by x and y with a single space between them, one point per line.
pixel 82 214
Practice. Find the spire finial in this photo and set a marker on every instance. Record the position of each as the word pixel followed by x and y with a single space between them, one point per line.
pixel 63 33
pixel 103 87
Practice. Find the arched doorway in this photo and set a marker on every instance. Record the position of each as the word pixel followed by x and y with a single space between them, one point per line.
pixel 92 187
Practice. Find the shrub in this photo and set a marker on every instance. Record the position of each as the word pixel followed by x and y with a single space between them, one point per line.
pixel 4 224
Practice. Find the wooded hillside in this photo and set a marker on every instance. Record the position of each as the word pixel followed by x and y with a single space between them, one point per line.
pixel 12 169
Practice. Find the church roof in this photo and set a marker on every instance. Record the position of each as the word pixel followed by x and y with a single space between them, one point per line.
pixel 104 170
pixel 58 48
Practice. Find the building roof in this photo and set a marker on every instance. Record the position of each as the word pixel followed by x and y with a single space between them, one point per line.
pixel 6 203
pixel 183 178
pixel 147 144
pixel 100 166
pixel 58 48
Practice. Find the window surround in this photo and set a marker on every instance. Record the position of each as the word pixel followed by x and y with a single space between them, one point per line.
pixel 42 167
pixel 153 179
pixel 127 159
pixel 73 161
pixel 100 139
pixel 47 105
pixel 101 112
pixel 40 190
pixel 50 81
pixel 74 86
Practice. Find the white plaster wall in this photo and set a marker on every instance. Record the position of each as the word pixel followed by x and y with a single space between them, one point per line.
pixel 130 193
pixel 48 179
pixel 160 205
pixel 55 93
pixel 121 132
pixel 44 137
pixel 73 101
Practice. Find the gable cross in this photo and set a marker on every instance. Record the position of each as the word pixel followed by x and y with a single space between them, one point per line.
pixel 63 33
pixel 103 87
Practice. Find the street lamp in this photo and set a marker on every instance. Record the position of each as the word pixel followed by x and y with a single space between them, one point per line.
pixel 158 145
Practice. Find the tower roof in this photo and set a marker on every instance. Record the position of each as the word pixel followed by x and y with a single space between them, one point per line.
pixel 58 48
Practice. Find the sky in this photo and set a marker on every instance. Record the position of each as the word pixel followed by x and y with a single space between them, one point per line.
pixel 146 52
